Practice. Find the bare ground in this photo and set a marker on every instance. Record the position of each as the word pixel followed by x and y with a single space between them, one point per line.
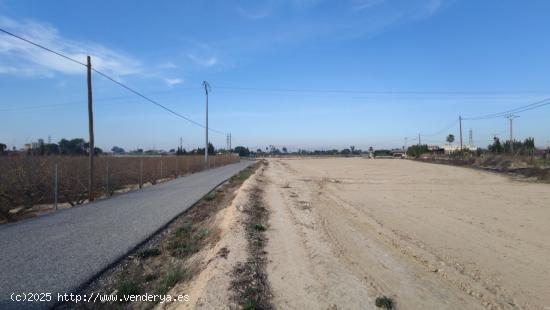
pixel 217 281
pixel 345 231
pixel 341 232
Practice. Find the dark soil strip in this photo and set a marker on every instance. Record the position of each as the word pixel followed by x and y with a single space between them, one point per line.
pixel 541 174
pixel 250 285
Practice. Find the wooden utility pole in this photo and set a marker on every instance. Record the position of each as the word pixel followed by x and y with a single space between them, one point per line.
pixel 91 131
pixel 511 118
pixel 460 121
pixel 206 87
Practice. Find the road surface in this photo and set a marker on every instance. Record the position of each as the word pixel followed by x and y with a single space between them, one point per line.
pixel 59 252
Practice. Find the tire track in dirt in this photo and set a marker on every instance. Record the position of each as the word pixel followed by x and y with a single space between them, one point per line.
pixel 303 271
pixel 414 229
pixel 344 252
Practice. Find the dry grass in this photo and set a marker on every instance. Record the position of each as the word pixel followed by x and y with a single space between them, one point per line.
pixel 524 166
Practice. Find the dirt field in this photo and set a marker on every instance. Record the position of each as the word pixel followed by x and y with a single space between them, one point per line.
pixel 344 231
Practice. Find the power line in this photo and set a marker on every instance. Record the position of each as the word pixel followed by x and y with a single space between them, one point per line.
pixel 442 130
pixel 524 108
pixel 506 113
pixel 147 98
pixel 42 47
pixel 111 79
pixel 53 105
pixel 352 91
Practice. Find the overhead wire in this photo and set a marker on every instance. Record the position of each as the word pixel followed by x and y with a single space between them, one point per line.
pixel 442 130
pixel 352 91
pixel 528 107
pixel 110 79
pixel 524 108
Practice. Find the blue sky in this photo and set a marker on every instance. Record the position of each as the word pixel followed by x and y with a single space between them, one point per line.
pixel 298 73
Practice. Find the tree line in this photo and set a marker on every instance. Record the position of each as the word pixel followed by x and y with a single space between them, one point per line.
pixel 79 146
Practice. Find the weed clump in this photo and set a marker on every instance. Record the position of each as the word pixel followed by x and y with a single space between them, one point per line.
pixel 146 253
pixel 186 240
pixel 384 302
pixel 259 227
pixel 130 284
pixel 168 280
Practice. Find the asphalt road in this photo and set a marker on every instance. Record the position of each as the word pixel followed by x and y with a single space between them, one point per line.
pixel 59 252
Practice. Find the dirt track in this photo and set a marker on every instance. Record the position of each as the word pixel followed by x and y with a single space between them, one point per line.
pixel 344 231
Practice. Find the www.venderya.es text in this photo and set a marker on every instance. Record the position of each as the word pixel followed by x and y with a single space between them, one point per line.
pixel 96 297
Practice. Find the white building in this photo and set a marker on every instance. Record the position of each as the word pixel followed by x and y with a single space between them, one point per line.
pixel 449 148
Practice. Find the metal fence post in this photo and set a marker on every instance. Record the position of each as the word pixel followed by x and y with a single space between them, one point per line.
pixel 107 179
pixel 140 172
pixel 177 167
pixel 55 187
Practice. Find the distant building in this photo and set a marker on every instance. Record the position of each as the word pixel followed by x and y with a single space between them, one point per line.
pixel 450 148
pixel 436 149
pixel 34 145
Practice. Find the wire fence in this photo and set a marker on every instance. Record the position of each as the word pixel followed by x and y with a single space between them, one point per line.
pixel 26 181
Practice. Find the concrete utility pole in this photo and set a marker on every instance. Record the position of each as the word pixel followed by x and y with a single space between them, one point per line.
pixel 419 142
pixel 229 141
pixel 511 118
pixel 91 132
pixel 460 121
pixel 206 88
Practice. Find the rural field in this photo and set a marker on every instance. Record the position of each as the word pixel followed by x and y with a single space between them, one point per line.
pixel 344 231
pixel 289 154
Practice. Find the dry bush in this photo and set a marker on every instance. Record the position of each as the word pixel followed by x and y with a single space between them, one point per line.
pixel 26 181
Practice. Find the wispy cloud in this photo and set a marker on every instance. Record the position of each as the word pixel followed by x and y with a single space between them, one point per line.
pixel 167 65
pixel 21 58
pixel 264 8
pixel 433 6
pixel 204 61
pixel 263 13
pixel 173 82
pixel 311 20
pixel 359 5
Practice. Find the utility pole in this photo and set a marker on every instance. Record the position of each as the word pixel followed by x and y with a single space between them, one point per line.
pixel 511 118
pixel 206 88
pixel 419 142
pixel 229 141
pixel 91 132
pixel 460 121
pixel 406 143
